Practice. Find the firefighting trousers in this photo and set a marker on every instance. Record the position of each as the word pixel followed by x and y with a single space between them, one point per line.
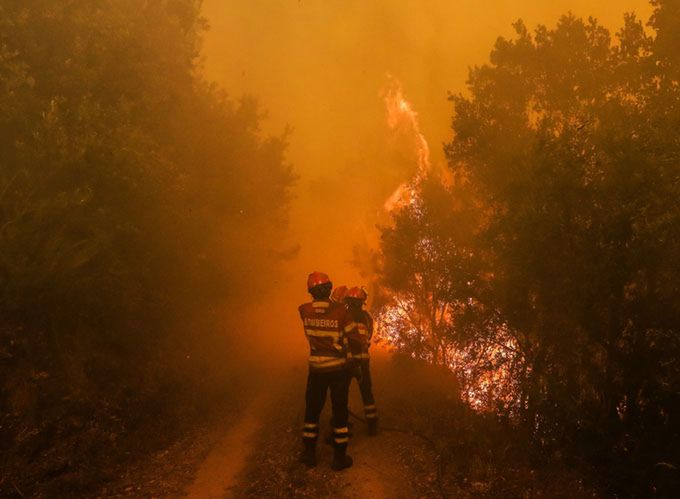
pixel 318 384
pixel 366 389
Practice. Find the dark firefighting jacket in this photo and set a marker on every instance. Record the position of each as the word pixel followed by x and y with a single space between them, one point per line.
pixel 359 335
pixel 325 324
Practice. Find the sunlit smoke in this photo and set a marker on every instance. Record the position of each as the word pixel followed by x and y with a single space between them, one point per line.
pixel 402 116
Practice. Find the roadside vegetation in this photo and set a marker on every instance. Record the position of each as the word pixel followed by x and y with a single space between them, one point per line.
pixel 542 266
pixel 134 199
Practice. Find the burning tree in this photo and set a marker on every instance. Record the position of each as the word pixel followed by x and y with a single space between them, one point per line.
pixel 434 283
pixel 555 248
pixel 432 277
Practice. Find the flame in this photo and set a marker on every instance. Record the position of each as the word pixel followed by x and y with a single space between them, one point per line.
pixel 485 370
pixel 401 115
pixel 400 197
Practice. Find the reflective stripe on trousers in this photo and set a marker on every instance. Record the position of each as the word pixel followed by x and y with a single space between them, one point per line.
pixel 370 411
pixel 341 436
pixel 310 431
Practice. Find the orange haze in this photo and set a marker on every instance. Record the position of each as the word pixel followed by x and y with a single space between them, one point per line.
pixel 321 66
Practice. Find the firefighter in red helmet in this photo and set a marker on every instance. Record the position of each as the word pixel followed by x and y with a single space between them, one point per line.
pixel 325 323
pixel 359 341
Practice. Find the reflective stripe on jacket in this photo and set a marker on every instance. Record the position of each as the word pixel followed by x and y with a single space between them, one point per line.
pixel 359 336
pixel 325 323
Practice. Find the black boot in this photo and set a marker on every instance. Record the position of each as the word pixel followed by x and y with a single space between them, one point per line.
pixel 372 426
pixel 340 459
pixel 308 455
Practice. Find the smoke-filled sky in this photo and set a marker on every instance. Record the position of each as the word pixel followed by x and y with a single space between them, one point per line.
pixel 320 66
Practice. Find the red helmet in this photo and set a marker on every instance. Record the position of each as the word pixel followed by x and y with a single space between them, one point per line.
pixel 339 294
pixel 317 278
pixel 357 293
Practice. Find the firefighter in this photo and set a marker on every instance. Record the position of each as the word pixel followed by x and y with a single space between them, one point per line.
pixel 359 341
pixel 325 323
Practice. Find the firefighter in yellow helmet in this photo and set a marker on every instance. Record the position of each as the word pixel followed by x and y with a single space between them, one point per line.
pixel 359 341
pixel 325 323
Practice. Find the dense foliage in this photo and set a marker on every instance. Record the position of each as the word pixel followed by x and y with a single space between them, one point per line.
pixel 557 238
pixel 134 200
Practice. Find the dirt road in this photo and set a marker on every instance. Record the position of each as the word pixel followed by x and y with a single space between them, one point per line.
pixel 217 475
pixel 430 445
pixel 257 456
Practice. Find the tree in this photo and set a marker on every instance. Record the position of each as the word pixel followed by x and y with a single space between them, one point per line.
pixel 135 199
pixel 567 141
